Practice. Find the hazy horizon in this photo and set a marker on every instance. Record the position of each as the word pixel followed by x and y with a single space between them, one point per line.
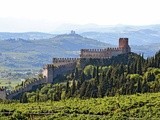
pixel 49 15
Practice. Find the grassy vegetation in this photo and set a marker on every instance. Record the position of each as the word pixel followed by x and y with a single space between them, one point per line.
pixel 138 106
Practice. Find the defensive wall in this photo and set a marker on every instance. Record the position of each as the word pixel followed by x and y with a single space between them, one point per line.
pixel 50 71
pixel 63 61
pixel 61 66
pixel 25 88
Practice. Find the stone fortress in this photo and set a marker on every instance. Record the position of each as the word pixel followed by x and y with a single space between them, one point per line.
pixel 61 66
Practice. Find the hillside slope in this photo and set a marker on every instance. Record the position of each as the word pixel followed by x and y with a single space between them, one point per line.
pixel 20 53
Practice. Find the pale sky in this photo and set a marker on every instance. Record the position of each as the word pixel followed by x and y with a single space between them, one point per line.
pixel 56 12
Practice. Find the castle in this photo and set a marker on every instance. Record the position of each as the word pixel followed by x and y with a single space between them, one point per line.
pixel 61 66
pixel 64 65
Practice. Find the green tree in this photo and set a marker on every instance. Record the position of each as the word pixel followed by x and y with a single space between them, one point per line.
pixel 73 87
pixel 24 98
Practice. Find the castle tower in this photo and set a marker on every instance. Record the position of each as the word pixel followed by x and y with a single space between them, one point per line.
pixel 123 44
pixel 2 93
pixel 48 73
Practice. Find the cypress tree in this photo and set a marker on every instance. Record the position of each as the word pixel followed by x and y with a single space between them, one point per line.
pixel 83 89
pixel 76 73
pixel 138 89
pixel 73 88
pixel 67 87
pixel 88 90
pixel 97 75
pixel 82 78
pixel 37 96
pixel 24 98
pixel 94 72
pixel 139 67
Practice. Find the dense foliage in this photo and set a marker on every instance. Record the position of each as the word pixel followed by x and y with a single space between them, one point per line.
pixel 129 74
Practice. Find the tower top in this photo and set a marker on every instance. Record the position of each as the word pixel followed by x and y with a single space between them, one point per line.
pixel 123 44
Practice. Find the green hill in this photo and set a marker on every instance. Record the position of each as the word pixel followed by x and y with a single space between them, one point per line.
pixel 20 53
pixel 20 56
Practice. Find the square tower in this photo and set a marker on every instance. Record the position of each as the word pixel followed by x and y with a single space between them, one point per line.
pixel 123 44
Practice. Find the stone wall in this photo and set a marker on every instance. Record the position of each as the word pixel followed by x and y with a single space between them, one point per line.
pixel 63 61
pixel 100 53
pixel 28 87
pixel 63 69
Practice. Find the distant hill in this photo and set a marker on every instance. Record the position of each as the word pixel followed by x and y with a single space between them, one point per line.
pixel 143 35
pixel 25 35
pixel 22 54
pixel 33 49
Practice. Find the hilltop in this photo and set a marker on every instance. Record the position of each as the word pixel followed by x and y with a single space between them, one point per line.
pixel 25 35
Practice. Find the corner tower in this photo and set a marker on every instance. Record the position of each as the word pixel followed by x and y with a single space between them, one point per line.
pixel 123 44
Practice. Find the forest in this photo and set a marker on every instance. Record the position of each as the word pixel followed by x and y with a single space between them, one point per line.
pixel 123 75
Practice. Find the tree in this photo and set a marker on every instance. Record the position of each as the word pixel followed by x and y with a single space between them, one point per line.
pixel 97 75
pixel 24 98
pixel 83 89
pixel 88 90
pixel 88 71
pixel 138 89
pixel 102 85
pixel 67 87
pixel 76 73
pixel 139 66
pixel 94 73
pixel 73 88
pixel 37 96
pixel 82 78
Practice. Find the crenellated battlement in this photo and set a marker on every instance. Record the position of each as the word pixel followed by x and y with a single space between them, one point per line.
pixel 64 61
pixel 64 66
pixel 100 50
pixel 57 60
pixel 50 65
pixel 25 88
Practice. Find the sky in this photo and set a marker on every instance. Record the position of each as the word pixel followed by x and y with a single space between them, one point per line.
pixel 47 15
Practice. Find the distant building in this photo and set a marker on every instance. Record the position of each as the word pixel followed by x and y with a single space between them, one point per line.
pixel 73 32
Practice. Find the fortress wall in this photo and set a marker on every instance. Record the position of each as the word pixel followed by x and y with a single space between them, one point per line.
pixel 51 71
pixel 63 69
pixel 117 52
pixel 25 88
pixel 63 61
pixel 100 53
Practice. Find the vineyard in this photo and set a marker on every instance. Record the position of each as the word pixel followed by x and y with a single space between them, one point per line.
pixel 138 106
